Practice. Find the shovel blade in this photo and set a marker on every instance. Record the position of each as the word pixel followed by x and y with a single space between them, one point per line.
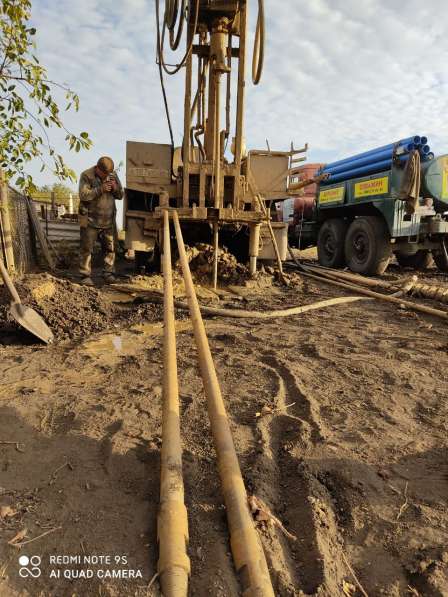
pixel 31 321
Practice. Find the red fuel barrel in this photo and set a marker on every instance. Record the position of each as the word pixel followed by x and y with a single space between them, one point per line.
pixel 309 171
pixel 297 208
pixel 303 208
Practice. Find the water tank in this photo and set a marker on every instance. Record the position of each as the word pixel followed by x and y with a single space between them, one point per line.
pixel 435 182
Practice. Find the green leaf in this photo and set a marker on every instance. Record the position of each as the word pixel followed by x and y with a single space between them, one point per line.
pixel 21 106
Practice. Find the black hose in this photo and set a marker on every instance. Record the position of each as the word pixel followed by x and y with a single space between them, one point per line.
pixel 162 83
pixel 171 12
pixel 175 40
pixel 161 37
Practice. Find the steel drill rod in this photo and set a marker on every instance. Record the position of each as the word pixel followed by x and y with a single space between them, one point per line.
pixel 322 277
pixel 248 555
pixel 215 254
pixel 174 564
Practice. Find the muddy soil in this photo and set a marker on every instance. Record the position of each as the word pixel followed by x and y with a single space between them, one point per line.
pixel 339 417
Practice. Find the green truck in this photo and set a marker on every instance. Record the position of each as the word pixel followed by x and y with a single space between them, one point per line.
pixel 361 222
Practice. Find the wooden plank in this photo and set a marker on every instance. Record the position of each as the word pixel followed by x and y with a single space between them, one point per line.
pixel 6 236
pixel 39 233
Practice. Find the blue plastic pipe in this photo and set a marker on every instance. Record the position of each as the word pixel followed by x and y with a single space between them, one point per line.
pixel 424 140
pixel 415 139
pixel 363 170
pixel 424 149
pixel 385 154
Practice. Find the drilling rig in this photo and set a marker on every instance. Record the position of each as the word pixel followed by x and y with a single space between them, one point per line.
pixel 219 196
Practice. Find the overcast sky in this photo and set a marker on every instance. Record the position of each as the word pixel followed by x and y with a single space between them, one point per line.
pixel 342 75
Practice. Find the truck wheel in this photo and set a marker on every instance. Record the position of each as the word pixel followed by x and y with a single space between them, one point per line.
pixel 420 260
pixel 330 243
pixel 441 260
pixel 367 246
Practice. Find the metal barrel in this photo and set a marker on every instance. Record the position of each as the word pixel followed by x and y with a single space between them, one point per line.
pixel 172 525
pixel 434 181
pixel 248 555
pixel 415 139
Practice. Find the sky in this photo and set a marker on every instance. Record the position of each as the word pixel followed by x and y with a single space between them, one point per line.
pixel 341 75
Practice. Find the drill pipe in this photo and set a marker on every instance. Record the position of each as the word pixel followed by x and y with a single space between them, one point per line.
pixel 248 555
pixel 172 528
pixel 323 277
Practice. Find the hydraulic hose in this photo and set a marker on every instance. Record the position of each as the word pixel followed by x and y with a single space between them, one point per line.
pixel 175 39
pixel 258 55
pixel 171 12
pixel 169 23
pixel 162 82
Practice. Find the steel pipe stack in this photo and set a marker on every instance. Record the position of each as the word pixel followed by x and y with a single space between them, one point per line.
pixel 376 160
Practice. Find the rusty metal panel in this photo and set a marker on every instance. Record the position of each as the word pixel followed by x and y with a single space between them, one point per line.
pixel 269 173
pixel 147 164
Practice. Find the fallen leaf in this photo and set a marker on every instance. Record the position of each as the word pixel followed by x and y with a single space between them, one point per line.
pixel 17 538
pixel 7 512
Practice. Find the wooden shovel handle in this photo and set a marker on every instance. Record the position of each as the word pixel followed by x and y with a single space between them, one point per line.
pixel 8 283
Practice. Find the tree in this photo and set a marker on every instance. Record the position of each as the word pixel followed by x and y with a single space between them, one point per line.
pixel 28 107
pixel 57 187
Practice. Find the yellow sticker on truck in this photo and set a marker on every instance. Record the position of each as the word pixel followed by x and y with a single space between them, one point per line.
pixel 332 195
pixel 445 178
pixel 376 186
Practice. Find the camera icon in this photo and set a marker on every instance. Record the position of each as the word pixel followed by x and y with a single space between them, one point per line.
pixel 30 566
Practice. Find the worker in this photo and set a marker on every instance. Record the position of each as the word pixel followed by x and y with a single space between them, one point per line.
pixel 99 187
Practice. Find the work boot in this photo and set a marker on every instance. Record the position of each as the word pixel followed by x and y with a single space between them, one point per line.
pixel 109 278
pixel 87 281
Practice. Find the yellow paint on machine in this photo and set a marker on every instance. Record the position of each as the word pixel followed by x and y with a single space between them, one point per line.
pixel 376 186
pixel 445 178
pixel 332 195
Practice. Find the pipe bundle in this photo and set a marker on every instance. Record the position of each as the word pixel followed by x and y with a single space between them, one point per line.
pixel 376 160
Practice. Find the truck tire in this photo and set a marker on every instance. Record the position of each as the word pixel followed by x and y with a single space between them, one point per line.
pixel 440 259
pixel 330 243
pixel 420 260
pixel 367 246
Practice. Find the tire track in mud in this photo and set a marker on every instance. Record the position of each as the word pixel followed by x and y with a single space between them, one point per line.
pixel 313 563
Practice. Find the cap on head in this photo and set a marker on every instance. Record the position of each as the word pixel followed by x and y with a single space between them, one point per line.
pixel 106 165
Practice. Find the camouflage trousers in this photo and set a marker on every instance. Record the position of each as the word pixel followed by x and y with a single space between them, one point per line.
pixel 89 236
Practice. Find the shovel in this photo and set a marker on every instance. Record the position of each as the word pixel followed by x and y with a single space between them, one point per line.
pixel 25 316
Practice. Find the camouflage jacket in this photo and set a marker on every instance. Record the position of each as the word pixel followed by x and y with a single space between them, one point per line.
pixel 99 207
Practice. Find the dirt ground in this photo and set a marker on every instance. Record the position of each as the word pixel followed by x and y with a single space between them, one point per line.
pixel 339 416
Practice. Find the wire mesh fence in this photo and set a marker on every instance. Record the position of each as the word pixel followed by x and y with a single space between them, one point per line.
pixel 21 234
